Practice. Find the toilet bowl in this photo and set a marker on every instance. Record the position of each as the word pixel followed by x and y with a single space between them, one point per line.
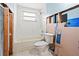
pixel 41 43
pixel 42 46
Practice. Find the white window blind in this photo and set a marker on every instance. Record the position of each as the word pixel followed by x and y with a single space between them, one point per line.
pixel 29 16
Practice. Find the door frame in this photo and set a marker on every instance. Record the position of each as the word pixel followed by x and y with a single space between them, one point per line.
pixel 11 33
pixel 7 25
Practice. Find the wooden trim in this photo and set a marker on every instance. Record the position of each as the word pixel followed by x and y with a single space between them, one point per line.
pixel 5 43
pixel 49 19
pixel 59 17
pixel 53 15
pixel 70 8
pixel 11 34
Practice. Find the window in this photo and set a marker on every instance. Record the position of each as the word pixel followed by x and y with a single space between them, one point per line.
pixel 29 16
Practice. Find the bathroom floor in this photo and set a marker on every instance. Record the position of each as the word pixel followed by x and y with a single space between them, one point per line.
pixel 28 49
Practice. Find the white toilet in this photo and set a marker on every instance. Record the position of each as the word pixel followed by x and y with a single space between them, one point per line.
pixel 42 46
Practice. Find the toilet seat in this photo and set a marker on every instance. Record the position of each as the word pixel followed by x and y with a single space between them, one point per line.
pixel 41 43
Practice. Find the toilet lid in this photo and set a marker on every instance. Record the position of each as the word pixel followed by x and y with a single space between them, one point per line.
pixel 41 43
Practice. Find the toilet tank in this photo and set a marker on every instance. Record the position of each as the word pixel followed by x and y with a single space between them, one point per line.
pixel 47 39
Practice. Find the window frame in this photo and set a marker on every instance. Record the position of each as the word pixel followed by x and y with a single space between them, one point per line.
pixel 29 16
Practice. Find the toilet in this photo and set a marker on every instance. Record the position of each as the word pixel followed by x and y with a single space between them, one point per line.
pixel 41 45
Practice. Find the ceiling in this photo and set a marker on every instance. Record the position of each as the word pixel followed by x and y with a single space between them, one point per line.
pixel 33 5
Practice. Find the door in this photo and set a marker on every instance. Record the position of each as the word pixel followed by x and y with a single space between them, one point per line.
pixel 1 31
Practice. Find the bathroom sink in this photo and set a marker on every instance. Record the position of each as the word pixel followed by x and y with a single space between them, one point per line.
pixel 49 34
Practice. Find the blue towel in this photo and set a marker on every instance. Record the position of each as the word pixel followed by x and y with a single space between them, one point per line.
pixel 58 38
pixel 73 22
